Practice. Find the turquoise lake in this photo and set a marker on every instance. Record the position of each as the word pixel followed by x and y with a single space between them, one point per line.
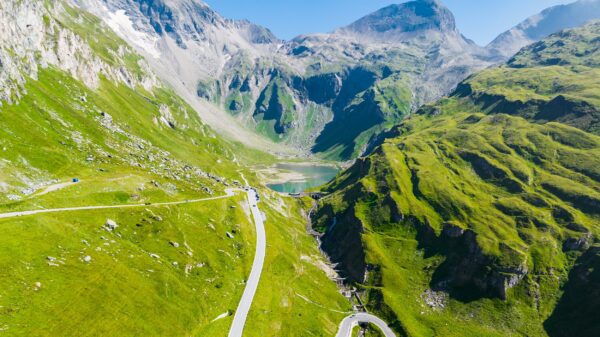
pixel 314 175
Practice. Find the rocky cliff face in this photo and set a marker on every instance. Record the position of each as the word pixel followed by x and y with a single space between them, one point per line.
pixel 193 41
pixel 412 52
pixel 188 45
pixel 572 316
pixel 46 35
pixel 189 20
pixel 403 56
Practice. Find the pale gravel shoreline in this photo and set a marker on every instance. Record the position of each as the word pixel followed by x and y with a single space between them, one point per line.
pixel 273 175
pixel 276 175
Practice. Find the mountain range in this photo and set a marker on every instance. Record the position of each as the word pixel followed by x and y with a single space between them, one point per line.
pixel 302 92
pixel 136 132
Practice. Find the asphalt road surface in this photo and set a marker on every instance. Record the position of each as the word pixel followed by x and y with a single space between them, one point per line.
pixel 351 321
pixel 241 314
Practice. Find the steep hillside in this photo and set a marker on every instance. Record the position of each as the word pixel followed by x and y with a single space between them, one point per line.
pixel 77 102
pixel 556 79
pixel 73 102
pixel 186 43
pixel 572 314
pixel 473 220
pixel 540 26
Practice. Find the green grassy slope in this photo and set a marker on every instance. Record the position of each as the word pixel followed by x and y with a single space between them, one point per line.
pixel 361 119
pixel 123 290
pixel 294 298
pixel 469 224
pixel 556 79
pixel 129 145
pixel 52 135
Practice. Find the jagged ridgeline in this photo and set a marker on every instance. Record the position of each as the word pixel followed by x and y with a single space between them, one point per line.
pixel 335 94
pixel 482 216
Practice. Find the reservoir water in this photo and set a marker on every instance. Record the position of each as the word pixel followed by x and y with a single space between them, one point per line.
pixel 311 176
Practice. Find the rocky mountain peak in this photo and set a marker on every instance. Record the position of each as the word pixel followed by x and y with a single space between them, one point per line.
pixel 405 19
pixel 192 19
pixel 182 20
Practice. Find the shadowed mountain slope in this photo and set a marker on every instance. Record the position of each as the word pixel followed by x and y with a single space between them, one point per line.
pixel 482 203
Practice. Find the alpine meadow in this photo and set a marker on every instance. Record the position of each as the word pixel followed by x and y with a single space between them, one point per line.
pixel 168 171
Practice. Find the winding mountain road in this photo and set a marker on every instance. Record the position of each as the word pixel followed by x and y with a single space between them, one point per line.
pixel 241 314
pixel 351 321
pixel 229 193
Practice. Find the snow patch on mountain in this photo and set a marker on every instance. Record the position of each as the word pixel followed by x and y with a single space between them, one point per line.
pixel 122 25
pixel 34 38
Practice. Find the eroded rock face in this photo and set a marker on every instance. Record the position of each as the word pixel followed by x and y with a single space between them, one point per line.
pixel 191 20
pixel 33 38
pixel 232 63
pixel 200 52
pixel 323 88
pixel 342 243
pixel 581 243
pixel 342 231
pixel 468 273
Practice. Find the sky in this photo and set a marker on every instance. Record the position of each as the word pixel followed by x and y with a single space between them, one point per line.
pixel 479 20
